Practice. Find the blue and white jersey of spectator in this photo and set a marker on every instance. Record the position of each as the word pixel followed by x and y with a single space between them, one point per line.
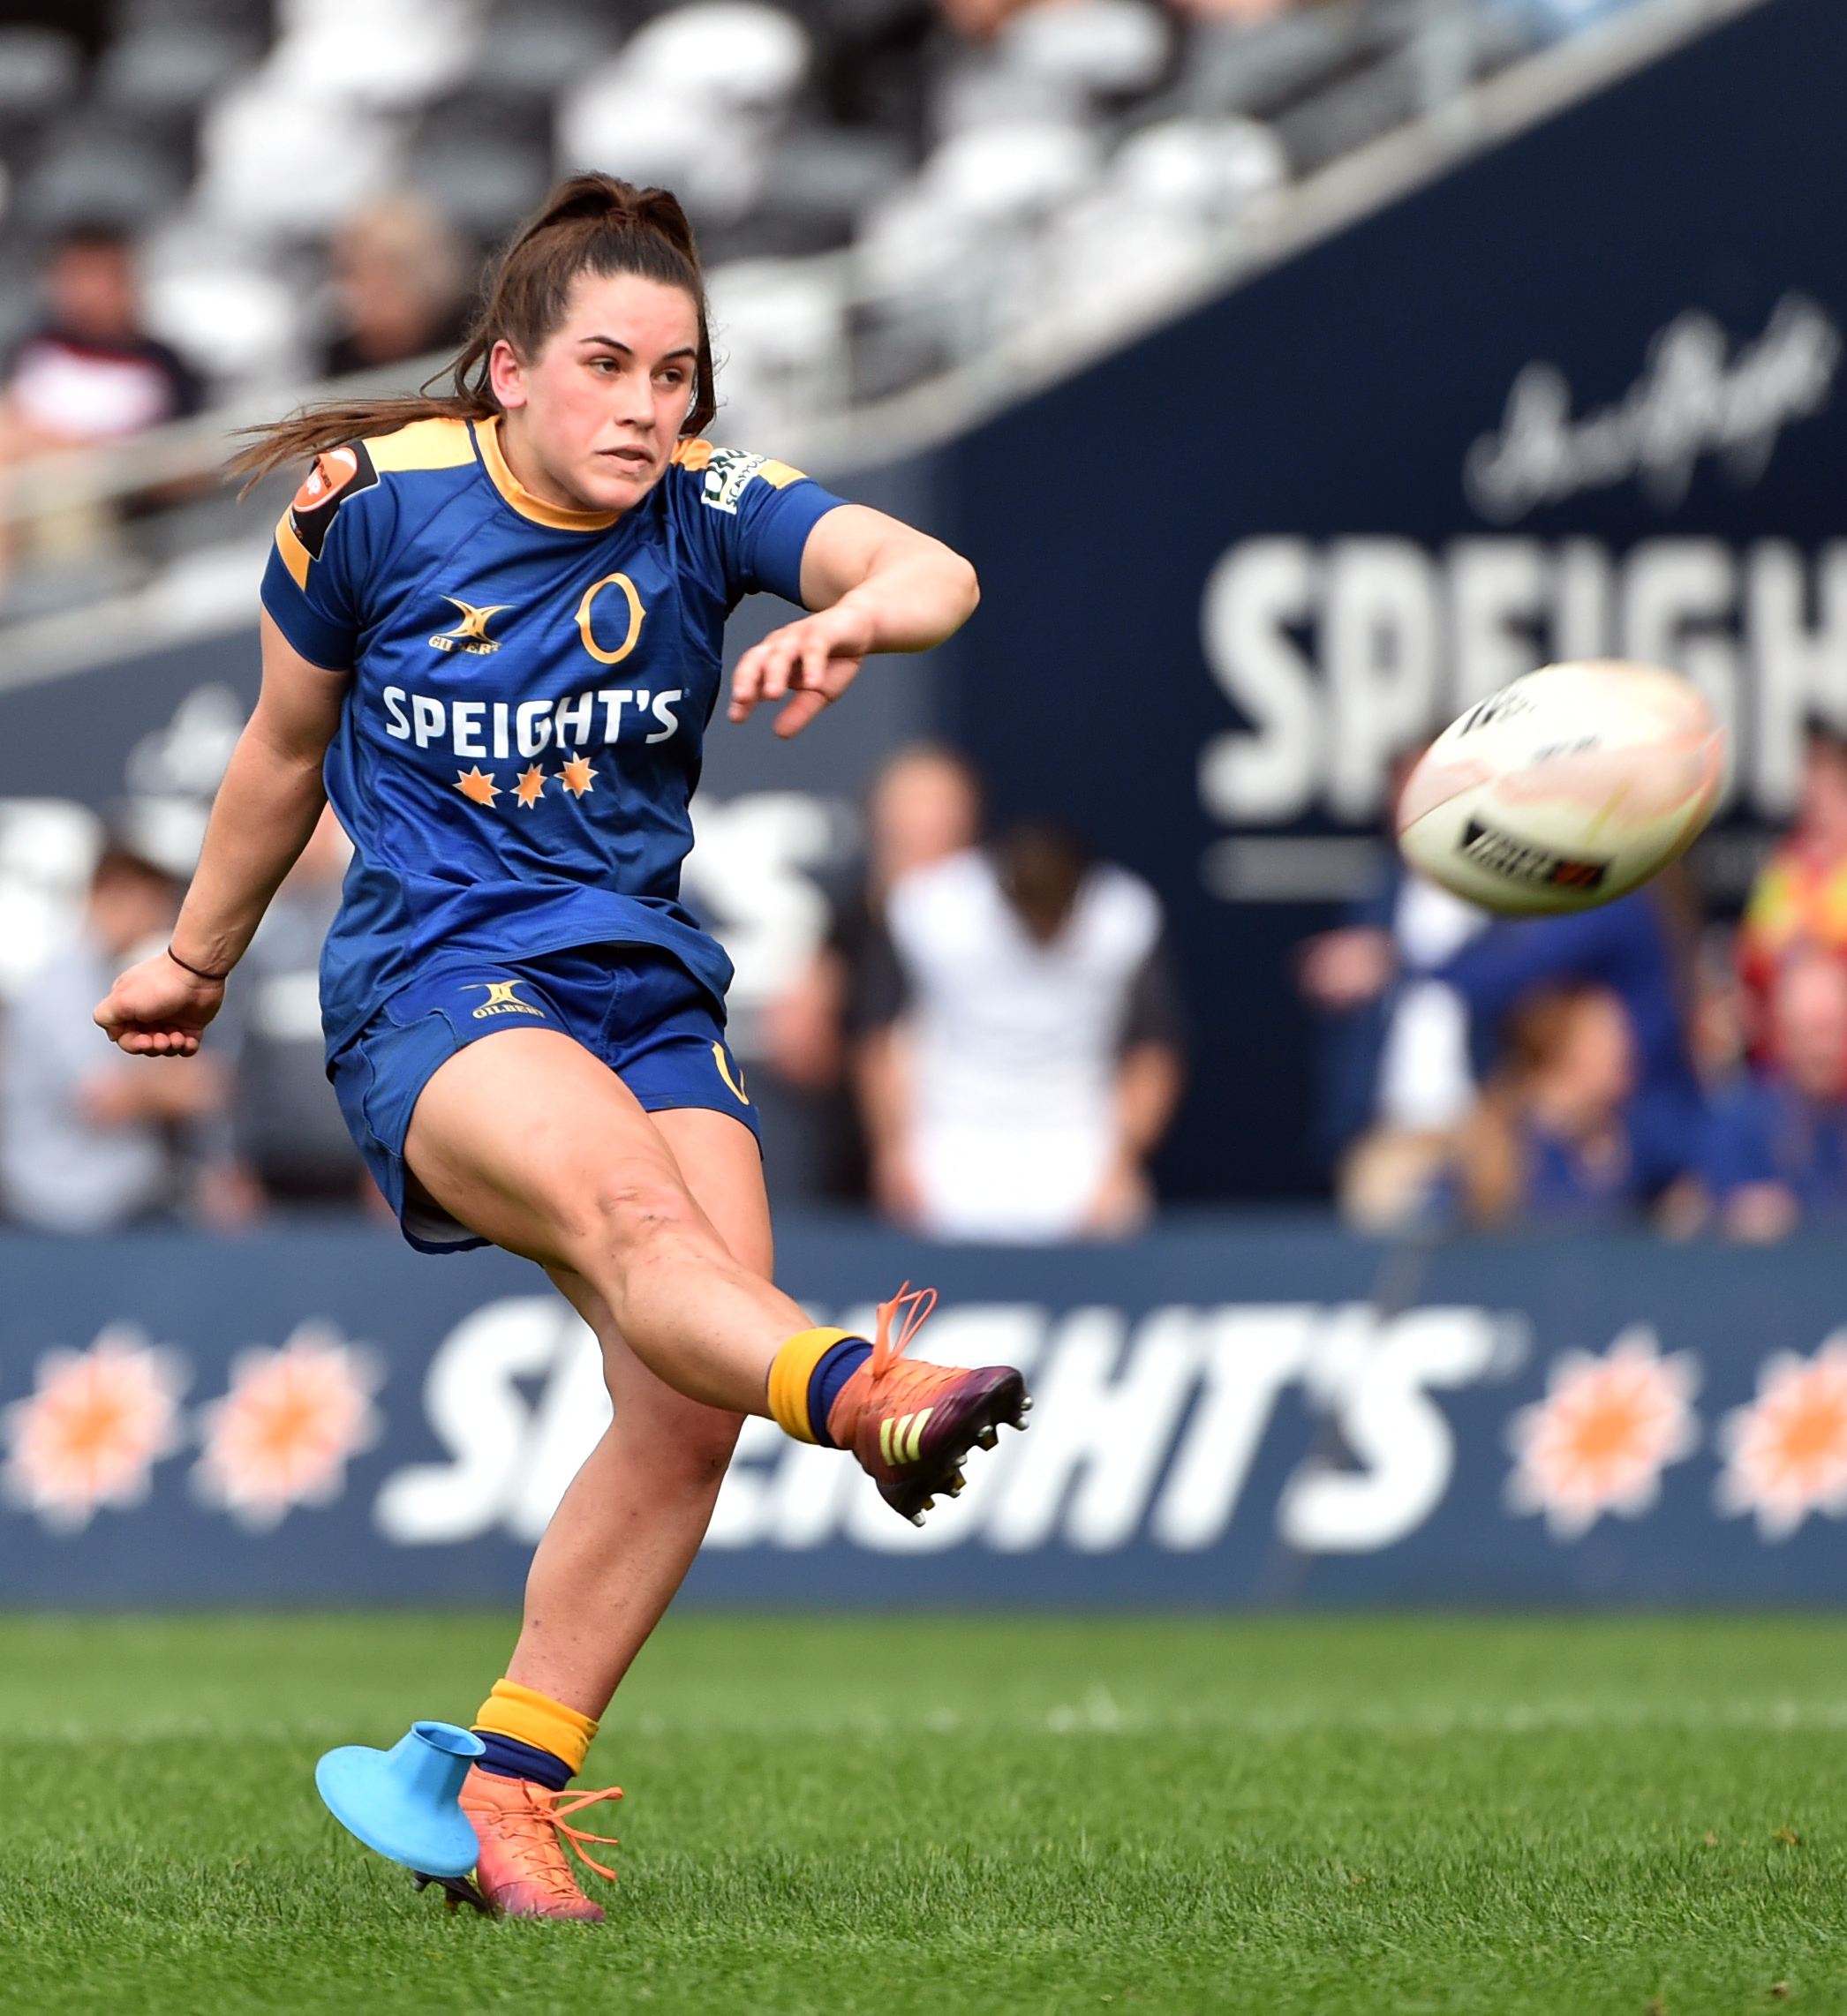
pixel 1395 1050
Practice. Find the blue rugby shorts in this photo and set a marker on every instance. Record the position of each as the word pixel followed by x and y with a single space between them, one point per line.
pixel 634 1006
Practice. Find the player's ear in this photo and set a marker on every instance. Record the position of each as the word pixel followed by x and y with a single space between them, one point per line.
pixel 506 374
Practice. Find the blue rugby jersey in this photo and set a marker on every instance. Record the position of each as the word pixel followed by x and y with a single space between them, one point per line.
pixel 530 687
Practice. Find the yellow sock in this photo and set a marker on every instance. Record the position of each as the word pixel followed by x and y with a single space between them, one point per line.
pixel 790 1370
pixel 530 1717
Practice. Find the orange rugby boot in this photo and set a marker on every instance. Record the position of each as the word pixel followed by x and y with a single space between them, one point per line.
pixel 911 1425
pixel 522 1872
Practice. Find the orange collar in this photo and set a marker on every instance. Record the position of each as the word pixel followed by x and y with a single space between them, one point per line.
pixel 487 439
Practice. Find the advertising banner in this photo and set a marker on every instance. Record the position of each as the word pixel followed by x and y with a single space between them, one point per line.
pixel 1578 398
pixel 1226 1415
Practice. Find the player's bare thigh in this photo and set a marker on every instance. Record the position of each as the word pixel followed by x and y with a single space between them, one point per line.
pixel 522 1135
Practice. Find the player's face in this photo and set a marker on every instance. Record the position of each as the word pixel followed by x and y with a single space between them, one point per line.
pixel 592 419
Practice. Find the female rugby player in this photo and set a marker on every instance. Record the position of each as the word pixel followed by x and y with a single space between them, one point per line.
pixel 492 634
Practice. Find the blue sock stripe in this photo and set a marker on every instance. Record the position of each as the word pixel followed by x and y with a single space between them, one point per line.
pixel 838 1364
pixel 506 1757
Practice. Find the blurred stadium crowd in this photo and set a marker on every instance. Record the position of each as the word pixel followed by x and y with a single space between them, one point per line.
pixel 278 167
pixel 209 201
pixel 215 200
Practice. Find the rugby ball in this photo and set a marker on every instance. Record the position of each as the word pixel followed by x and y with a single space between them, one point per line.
pixel 1566 789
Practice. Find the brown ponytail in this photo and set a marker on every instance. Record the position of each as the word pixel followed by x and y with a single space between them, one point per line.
pixel 591 223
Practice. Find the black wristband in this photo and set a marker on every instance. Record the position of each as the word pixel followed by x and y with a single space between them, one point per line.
pixel 198 971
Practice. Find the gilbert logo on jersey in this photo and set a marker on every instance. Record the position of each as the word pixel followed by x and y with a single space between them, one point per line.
pixel 471 634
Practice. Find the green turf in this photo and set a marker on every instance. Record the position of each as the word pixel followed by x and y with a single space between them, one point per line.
pixel 1320 1815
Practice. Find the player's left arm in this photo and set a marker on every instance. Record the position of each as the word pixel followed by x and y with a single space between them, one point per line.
pixel 874 584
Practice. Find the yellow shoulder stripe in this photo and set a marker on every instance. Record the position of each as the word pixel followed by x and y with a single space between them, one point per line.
pixel 697 455
pixel 424 444
pixel 295 555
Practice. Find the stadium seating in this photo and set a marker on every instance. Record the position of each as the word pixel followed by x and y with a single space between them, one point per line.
pixel 940 158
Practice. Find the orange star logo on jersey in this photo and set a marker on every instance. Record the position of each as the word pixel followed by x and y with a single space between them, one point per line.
pixel 478 789
pixel 531 787
pixel 577 777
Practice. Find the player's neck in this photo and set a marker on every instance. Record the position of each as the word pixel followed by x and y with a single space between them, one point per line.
pixel 530 473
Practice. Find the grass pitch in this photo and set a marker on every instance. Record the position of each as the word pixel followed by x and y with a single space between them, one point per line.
pixel 1325 1815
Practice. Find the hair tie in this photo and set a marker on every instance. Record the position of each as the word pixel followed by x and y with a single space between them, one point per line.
pixel 198 971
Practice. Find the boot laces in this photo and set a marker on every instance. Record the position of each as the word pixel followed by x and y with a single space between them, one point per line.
pixel 535 1848
pixel 916 1305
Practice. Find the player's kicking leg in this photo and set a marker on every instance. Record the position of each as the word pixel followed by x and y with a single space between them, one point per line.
pixel 531 1142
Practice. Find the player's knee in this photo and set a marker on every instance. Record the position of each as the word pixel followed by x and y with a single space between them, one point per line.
pixel 705 1451
pixel 641 1214
pixel 687 1457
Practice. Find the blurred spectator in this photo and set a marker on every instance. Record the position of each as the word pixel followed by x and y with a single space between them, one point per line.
pixel 1036 1060
pixel 1777 1148
pixel 922 806
pixel 88 1137
pixel 1241 13
pixel 1395 1067
pixel 980 20
pixel 1546 1143
pixel 1396 1061
pixel 1719 1023
pixel 1801 895
pixel 289 1142
pixel 1640 948
pixel 91 373
pixel 400 278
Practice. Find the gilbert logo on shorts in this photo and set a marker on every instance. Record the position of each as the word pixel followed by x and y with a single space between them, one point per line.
pixel 471 634
pixel 502 1000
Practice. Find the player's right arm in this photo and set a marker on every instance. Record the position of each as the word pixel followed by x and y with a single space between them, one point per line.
pixel 266 807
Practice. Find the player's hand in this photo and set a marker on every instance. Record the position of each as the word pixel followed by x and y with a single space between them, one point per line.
pixel 1344 969
pixel 895 1187
pixel 808 664
pixel 157 1008
pixel 1123 1202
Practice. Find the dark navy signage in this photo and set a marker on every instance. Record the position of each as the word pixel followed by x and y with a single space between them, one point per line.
pixel 1582 396
pixel 1222 1416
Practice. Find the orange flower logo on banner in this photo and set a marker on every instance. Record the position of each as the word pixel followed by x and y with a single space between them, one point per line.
pixel 1786 1451
pixel 1605 1430
pixel 283 1433
pixel 95 1427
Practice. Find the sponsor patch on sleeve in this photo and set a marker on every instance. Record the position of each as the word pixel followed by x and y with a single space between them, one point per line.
pixel 729 470
pixel 337 474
